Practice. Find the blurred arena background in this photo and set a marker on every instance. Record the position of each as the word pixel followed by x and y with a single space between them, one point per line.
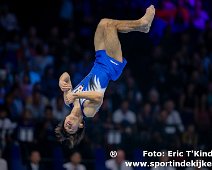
pixel 163 101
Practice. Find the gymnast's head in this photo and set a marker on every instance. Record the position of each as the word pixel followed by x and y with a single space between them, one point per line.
pixel 71 130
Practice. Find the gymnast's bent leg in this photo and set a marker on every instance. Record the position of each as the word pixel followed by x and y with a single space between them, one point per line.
pixel 106 35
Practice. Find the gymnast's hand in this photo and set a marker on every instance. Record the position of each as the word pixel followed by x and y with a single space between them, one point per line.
pixel 65 82
pixel 64 86
pixel 69 97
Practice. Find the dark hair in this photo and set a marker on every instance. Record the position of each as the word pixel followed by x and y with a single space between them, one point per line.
pixel 70 140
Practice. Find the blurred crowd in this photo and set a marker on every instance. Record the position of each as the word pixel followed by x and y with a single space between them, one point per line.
pixel 163 100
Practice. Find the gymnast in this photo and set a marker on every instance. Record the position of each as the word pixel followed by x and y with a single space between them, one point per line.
pixel 87 97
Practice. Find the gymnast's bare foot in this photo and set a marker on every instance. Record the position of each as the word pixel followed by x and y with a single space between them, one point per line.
pixel 147 19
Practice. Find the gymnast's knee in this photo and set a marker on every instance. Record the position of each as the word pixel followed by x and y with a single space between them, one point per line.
pixel 105 22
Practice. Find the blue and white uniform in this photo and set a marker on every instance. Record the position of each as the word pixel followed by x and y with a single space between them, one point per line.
pixel 105 69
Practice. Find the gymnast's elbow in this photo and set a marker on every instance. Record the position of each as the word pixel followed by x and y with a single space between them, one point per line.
pixel 89 115
pixel 92 114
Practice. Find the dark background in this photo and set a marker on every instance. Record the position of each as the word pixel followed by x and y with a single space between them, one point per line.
pixel 171 65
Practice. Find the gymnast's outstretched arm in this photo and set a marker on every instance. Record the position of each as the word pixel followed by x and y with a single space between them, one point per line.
pixel 93 96
pixel 90 95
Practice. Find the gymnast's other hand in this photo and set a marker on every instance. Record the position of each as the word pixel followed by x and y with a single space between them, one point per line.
pixel 69 98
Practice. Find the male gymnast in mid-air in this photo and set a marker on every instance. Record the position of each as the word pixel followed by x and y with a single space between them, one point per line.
pixel 87 97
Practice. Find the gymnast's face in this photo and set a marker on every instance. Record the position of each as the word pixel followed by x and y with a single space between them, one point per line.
pixel 72 123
